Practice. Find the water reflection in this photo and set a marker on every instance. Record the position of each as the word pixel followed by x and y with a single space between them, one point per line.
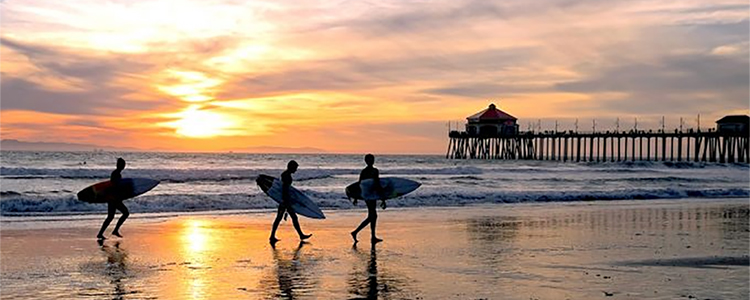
pixel 493 229
pixel 506 247
pixel 198 245
pixel 196 237
pixel 494 239
pixel 116 267
pixel 291 278
pixel 606 222
pixel 369 283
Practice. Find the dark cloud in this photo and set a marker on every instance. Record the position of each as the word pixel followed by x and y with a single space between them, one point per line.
pixel 712 34
pixel 711 8
pixel 67 64
pixel 352 73
pixel 20 94
pixel 422 17
pixel 683 83
pixel 85 123
pixel 91 79
pixel 672 74
pixel 428 17
pixel 486 89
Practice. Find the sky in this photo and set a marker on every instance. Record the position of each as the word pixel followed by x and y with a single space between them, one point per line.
pixel 360 76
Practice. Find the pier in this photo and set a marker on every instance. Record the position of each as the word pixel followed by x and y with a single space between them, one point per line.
pixel 494 134
pixel 696 146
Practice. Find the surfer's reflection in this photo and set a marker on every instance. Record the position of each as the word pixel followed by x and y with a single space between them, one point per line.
pixel 290 275
pixel 371 284
pixel 116 267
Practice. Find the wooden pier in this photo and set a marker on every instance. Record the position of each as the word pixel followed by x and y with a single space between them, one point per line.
pixel 695 146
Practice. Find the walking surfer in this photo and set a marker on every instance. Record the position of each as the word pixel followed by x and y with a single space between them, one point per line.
pixel 114 204
pixel 370 172
pixel 285 205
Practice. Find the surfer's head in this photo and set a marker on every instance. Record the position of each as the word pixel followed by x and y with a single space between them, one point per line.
pixel 292 166
pixel 120 163
pixel 369 159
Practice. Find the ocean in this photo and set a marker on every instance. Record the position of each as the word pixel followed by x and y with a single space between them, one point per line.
pixel 46 183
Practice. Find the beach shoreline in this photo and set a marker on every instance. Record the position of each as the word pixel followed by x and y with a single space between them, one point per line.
pixel 631 249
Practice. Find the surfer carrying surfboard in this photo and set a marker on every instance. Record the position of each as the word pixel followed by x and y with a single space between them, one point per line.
pixel 114 204
pixel 370 172
pixel 285 205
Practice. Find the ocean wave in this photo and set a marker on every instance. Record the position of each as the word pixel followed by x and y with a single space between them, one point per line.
pixel 40 205
pixel 639 164
pixel 215 175
pixel 643 179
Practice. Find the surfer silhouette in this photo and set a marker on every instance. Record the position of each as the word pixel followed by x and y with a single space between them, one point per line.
pixel 370 172
pixel 115 204
pixel 286 205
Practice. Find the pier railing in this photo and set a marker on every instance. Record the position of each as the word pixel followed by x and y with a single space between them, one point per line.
pixel 698 146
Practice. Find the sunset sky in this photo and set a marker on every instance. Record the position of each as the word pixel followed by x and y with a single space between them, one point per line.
pixel 359 76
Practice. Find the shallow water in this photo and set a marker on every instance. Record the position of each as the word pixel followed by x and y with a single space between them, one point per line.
pixel 45 183
pixel 661 249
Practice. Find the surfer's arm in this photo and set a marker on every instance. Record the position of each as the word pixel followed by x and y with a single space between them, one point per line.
pixel 376 180
pixel 376 183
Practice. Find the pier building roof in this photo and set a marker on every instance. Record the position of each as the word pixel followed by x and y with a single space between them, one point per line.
pixel 734 119
pixel 491 113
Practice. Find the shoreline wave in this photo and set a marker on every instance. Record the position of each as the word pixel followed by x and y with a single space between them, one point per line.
pixel 31 205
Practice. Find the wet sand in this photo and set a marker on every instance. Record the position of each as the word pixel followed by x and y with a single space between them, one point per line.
pixel 675 249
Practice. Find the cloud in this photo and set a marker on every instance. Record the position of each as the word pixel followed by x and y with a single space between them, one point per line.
pixel 91 69
pixel 21 94
pixel 357 74
pixel 682 83
pixel 280 67
pixel 486 89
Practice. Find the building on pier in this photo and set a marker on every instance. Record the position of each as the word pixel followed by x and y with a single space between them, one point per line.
pixel 733 124
pixel 491 122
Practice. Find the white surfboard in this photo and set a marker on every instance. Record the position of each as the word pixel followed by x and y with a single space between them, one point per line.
pixel 301 204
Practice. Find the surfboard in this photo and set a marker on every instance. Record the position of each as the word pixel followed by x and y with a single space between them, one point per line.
pixel 393 187
pixel 126 188
pixel 301 204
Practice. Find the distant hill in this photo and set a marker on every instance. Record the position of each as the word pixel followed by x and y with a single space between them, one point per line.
pixel 16 145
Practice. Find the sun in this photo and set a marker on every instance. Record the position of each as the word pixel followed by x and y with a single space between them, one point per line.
pixel 200 123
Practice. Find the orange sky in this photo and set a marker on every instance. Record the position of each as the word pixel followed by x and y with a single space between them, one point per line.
pixel 354 76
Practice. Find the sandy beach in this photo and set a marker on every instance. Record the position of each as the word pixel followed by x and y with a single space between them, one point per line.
pixel 657 249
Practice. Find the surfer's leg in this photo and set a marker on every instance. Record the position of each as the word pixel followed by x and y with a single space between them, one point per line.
pixel 125 213
pixel 364 223
pixel 295 222
pixel 110 217
pixel 279 215
pixel 372 216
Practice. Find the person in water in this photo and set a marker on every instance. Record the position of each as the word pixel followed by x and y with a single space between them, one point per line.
pixel 286 204
pixel 114 204
pixel 370 172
